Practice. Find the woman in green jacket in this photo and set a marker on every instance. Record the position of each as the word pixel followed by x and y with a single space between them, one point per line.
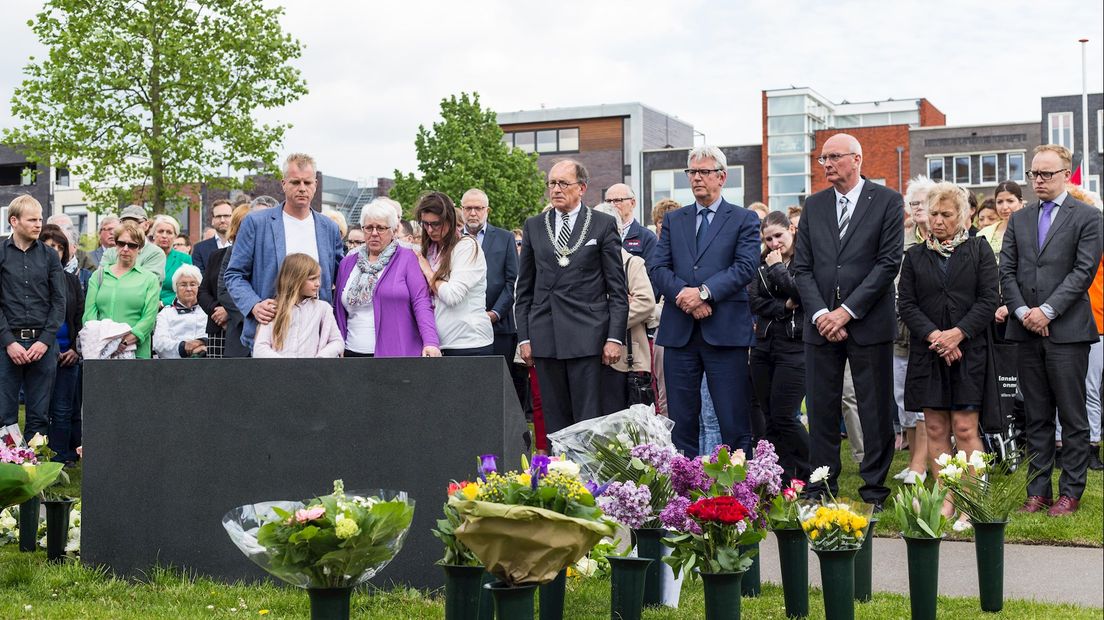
pixel 126 293
pixel 164 232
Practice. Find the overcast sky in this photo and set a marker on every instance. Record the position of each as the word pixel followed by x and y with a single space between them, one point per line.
pixel 377 70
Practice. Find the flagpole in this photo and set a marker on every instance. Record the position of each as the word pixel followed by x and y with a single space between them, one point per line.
pixel 1084 118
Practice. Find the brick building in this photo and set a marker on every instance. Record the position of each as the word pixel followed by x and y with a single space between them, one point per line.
pixel 608 139
pixel 885 155
pixel 976 157
pixel 1060 123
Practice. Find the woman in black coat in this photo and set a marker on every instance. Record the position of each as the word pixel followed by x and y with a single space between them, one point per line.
pixel 64 421
pixel 235 321
pixel 947 297
pixel 778 359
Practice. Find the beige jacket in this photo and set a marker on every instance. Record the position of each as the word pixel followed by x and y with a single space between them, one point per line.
pixel 642 307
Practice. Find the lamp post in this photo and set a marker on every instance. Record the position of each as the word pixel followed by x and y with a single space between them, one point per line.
pixel 1084 117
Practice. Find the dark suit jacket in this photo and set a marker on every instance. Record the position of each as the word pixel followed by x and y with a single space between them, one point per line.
pixel 725 264
pixel 74 307
pixel 570 312
pixel 640 241
pixel 502 270
pixel 965 297
pixel 857 271
pixel 208 289
pixel 1058 274
pixel 201 253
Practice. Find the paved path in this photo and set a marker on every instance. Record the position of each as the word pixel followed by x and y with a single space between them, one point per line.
pixel 1046 574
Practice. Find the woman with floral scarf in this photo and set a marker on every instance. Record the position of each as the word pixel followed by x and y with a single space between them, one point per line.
pixel 947 296
pixel 383 306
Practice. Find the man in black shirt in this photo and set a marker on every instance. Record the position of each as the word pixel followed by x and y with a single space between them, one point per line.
pixel 32 307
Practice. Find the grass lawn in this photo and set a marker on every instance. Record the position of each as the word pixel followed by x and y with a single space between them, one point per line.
pixel 30 588
pixel 1085 528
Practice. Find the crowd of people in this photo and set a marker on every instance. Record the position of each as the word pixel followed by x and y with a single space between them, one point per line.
pixel 726 318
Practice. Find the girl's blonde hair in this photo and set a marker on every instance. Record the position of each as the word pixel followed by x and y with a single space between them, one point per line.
pixel 294 273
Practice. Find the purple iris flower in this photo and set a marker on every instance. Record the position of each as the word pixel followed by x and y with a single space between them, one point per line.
pixel 595 489
pixel 486 466
pixel 538 468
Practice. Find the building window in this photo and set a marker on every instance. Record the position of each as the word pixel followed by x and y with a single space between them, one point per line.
pixel 786 124
pixel 544 140
pixel 789 144
pixel 989 169
pixel 788 184
pixel 935 168
pixel 569 140
pixel 1100 131
pixel 674 184
pixel 79 214
pixel 1092 183
pixel 881 182
pixel 962 169
pixel 525 140
pixel 1061 128
pixel 5 225
pixel 788 164
pixel 1016 167
pixel 62 177
pixel 793 104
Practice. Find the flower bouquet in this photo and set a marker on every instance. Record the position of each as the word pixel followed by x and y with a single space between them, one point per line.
pixel 25 470
pixel 721 513
pixel 327 544
pixel 987 493
pixel 919 511
pixel 634 426
pixel 528 525
pixel 836 529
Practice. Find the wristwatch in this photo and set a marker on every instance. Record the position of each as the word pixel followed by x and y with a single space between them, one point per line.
pixel 703 293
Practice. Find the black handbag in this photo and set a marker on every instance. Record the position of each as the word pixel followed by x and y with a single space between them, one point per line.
pixel 998 402
pixel 639 382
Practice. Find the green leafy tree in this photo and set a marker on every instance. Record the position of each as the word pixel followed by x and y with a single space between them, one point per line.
pixel 154 93
pixel 465 150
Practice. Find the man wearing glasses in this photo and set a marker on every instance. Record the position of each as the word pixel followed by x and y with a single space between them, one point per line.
pixel 707 254
pixel 848 253
pixel 572 302
pixel 636 239
pixel 502 268
pixel 1049 257
pixel 220 221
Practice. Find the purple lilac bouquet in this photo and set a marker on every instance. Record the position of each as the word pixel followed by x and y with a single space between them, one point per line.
pixel 640 480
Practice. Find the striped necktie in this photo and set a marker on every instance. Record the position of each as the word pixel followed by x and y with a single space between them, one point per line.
pixel 845 216
pixel 565 232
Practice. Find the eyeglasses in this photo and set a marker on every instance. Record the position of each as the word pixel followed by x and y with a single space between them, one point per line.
pixel 832 157
pixel 354 242
pixel 618 201
pixel 432 225
pixel 562 184
pixel 474 209
pixel 702 172
pixel 1043 174
pixel 127 244
pixel 220 217
pixel 915 203
pixel 374 229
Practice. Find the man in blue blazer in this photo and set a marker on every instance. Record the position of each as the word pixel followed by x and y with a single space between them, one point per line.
pixel 266 237
pixel 221 210
pixel 847 256
pixel 707 254
pixel 502 267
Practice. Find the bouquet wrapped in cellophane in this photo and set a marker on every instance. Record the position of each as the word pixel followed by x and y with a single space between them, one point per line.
pixel 333 541
pixel 636 425
pixel 24 469
pixel 526 526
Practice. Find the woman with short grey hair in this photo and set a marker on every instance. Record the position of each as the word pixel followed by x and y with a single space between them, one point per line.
pixel 382 303
pixel 181 329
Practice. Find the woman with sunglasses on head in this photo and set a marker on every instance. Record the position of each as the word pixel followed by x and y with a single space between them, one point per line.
pixel 382 303
pixel 125 292
pixel 456 270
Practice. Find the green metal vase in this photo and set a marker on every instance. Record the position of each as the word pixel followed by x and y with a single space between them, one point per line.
pixel 751 585
pixel 512 602
pixel 722 595
pixel 837 579
pixel 463 589
pixel 329 603
pixel 864 566
pixel 923 570
pixel 552 597
pixel 28 524
pixel 989 549
pixel 627 577
pixel 648 545
pixel 793 560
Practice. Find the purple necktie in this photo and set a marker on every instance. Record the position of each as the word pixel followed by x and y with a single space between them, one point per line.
pixel 1044 222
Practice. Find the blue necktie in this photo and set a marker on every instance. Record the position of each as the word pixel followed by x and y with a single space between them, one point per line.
pixel 1044 222
pixel 703 227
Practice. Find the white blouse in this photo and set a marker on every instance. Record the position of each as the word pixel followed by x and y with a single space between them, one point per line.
pixel 173 327
pixel 460 305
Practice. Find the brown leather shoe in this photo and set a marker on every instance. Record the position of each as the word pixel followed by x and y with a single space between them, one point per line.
pixel 1035 503
pixel 1064 506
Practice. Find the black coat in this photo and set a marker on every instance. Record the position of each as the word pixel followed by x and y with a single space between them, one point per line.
pixel 966 297
pixel 769 293
pixel 74 307
pixel 208 290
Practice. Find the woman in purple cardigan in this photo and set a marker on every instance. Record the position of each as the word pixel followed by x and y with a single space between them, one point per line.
pixel 382 304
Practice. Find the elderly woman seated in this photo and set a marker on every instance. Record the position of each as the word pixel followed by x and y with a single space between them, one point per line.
pixel 181 329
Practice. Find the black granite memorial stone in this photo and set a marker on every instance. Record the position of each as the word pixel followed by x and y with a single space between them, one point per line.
pixel 172 445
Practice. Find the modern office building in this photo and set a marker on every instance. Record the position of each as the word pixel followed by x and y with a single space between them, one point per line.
pixel 348 197
pixel 1060 123
pixel 793 117
pixel 608 139
pixel 664 177
pixel 975 156
pixel 19 176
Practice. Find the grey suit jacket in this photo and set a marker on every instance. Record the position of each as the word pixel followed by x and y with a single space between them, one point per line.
pixel 857 271
pixel 1059 273
pixel 570 312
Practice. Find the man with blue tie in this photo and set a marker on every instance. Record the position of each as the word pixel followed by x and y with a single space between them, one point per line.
pixel 502 267
pixel 1049 257
pixel 707 254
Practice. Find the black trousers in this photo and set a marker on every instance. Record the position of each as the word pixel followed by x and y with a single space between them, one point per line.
pixel 37 381
pixel 615 390
pixel 778 374
pixel 469 352
pixel 506 346
pixel 1053 375
pixel 872 372
pixel 569 390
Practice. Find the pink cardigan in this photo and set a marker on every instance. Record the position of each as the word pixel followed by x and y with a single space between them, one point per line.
pixel 312 333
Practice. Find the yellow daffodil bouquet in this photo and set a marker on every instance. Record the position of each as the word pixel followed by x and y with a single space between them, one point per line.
pixel 834 524
pixel 527 525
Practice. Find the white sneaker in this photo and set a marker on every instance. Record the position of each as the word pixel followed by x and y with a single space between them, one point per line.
pixel 901 474
pixel 914 478
pixel 962 525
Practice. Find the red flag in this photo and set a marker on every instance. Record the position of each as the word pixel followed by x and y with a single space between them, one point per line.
pixel 1075 178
